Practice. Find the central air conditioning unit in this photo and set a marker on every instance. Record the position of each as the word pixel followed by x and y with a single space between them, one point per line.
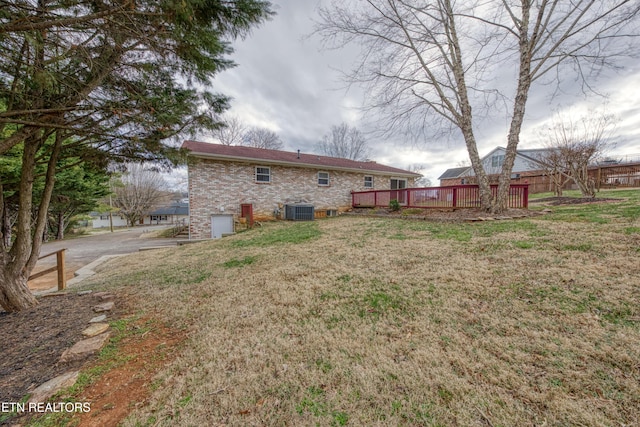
pixel 299 212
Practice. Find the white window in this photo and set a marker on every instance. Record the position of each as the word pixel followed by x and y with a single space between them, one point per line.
pixel 398 184
pixel 497 161
pixel 104 217
pixel 368 182
pixel 323 178
pixel 263 174
pixel 158 217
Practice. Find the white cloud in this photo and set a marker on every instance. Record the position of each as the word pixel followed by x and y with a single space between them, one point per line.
pixel 285 82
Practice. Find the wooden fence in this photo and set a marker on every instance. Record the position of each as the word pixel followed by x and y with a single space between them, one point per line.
pixel 450 197
pixel 59 267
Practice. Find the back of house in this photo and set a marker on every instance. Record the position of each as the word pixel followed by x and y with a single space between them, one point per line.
pixel 224 178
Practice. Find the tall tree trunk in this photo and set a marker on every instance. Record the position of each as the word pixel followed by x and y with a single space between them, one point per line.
pixel 5 226
pixel 14 292
pixel 501 202
pixel 60 233
pixel 17 264
pixel 483 180
pixel 464 116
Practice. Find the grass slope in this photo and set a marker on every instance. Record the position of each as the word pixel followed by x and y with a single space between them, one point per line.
pixel 363 321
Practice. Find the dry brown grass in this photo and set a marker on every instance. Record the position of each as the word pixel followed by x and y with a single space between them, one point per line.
pixel 394 322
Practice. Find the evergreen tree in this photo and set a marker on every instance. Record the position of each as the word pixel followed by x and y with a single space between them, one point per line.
pixel 105 81
pixel 78 189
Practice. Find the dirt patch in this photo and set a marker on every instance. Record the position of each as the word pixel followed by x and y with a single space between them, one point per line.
pixel 557 201
pixel 33 341
pixel 50 280
pixel 127 386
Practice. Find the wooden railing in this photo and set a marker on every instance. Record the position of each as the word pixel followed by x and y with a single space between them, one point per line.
pixel 178 227
pixel 451 197
pixel 59 267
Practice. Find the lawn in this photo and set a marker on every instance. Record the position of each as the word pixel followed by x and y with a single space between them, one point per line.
pixel 367 321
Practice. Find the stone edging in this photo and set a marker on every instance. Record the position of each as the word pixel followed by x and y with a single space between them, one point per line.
pixel 97 334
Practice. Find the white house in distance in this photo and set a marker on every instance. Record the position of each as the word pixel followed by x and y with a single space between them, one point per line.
pixel 101 220
pixel 222 178
pixel 526 161
pixel 526 169
pixel 174 213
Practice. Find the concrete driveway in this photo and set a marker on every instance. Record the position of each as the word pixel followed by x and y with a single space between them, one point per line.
pixel 84 250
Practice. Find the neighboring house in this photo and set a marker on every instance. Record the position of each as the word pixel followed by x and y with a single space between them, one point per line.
pixel 222 178
pixel 454 176
pixel 175 213
pixel 623 171
pixel 526 168
pixel 101 220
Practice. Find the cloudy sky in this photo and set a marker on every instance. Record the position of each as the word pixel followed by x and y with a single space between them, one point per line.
pixel 286 82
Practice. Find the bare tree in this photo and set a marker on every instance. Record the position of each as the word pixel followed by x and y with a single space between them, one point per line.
pixel 231 132
pixel 574 144
pixel 262 138
pixel 442 63
pixel 346 142
pixel 422 181
pixel 138 191
pixel 552 165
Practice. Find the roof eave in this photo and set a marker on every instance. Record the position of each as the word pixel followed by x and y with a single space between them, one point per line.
pixel 301 164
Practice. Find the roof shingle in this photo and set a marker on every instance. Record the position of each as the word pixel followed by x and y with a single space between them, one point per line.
pixel 241 153
pixel 453 172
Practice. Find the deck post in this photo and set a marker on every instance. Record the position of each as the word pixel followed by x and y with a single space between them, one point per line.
pixel 62 281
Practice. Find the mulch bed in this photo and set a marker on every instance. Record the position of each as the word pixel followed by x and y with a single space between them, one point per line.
pixel 439 215
pixel 32 341
pixel 460 215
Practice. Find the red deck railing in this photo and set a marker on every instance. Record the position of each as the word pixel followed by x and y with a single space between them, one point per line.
pixel 455 196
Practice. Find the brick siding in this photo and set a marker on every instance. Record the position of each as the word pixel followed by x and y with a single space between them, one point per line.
pixel 219 187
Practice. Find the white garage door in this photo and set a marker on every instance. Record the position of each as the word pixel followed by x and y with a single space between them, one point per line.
pixel 221 224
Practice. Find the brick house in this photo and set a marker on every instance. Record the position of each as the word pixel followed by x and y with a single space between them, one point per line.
pixel 222 178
